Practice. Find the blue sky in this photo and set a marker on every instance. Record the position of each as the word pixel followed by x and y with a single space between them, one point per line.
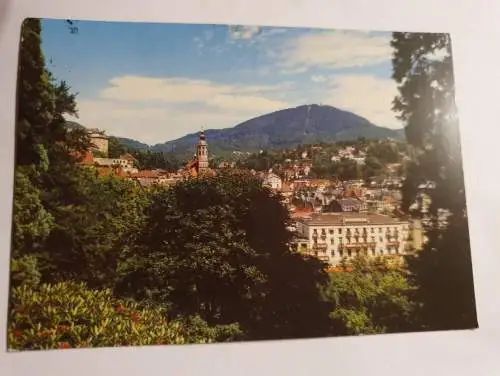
pixel 157 82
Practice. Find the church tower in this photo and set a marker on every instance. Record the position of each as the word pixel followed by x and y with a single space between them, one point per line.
pixel 202 153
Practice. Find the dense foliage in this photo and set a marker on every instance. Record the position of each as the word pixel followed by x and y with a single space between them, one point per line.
pixel 371 297
pixel 68 315
pixel 145 158
pixel 224 256
pixel 426 104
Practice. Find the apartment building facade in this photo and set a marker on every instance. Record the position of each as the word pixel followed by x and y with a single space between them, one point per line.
pixel 333 237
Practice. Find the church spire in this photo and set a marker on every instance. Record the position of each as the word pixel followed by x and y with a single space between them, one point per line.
pixel 202 152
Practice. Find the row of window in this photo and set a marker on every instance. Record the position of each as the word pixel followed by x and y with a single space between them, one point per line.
pixel 365 252
pixel 364 240
pixel 356 230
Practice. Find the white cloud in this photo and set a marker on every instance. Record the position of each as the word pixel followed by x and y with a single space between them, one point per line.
pixel 439 54
pixel 365 95
pixel 151 124
pixel 158 109
pixel 334 49
pixel 182 90
pixel 120 119
pixel 171 89
pixel 319 78
pixel 246 103
pixel 294 70
pixel 243 32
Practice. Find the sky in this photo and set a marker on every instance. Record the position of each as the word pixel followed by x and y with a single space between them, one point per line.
pixel 158 82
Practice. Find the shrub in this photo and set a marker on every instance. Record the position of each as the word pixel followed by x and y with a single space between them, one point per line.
pixel 24 270
pixel 69 315
pixel 370 296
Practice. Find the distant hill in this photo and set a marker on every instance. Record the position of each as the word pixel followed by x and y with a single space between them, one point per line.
pixel 127 142
pixel 132 144
pixel 73 124
pixel 281 129
pixel 285 128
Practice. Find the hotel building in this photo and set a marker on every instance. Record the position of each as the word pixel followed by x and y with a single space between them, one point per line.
pixel 335 236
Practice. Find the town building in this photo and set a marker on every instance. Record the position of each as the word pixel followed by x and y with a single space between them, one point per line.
pixel 273 181
pixel 287 189
pixel 147 178
pixel 100 142
pixel 199 164
pixel 333 237
pixel 126 164
pixel 350 204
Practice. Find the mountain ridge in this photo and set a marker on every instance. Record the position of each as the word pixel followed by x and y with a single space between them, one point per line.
pixel 285 128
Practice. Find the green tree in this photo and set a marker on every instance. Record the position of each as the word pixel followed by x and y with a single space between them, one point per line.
pixel 95 221
pixel 372 168
pixel 347 169
pixel 70 315
pixel 44 145
pixel 262 161
pixel 369 297
pixel 42 104
pixel 384 151
pixel 31 222
pixel 24 270
pixel 422 67
pixel 116 149
pixel 218 246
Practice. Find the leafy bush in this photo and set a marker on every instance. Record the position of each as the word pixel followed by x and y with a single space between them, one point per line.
pixel 69 315
pixel 370 296
pixel 24 270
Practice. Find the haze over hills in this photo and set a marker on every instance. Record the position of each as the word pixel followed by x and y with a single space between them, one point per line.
pixel 281 129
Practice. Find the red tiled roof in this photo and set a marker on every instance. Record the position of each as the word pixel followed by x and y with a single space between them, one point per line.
pixel 304 209
pixel 128 157
pixel 86 158
pixel 338 219
pixel 319 181
pixel 145 174
pixel 300 214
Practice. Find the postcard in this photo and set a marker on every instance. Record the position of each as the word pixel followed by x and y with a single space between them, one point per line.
pixel 195 183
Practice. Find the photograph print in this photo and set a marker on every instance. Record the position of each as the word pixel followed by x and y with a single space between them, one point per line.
pixel 198 183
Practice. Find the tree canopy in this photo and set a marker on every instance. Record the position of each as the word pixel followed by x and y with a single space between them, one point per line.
pixel 371 297
pixel 423 70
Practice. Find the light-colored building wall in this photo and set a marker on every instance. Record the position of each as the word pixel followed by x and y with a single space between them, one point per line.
pixel 417 235
pixel 335 236
pixel 124 163
pixel 100 142
pixel 273 181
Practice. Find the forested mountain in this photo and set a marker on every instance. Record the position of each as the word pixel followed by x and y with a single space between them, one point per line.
pixel 286 128
pixel 281 129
